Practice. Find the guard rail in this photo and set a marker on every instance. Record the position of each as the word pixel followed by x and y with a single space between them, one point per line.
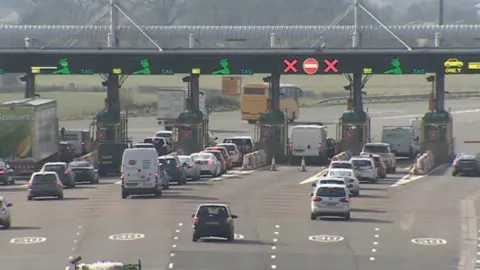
pixel 398 98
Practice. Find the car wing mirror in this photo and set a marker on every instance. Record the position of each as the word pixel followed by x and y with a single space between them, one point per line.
pixel 314 184
pixel 193 215
pixel 234 216
pixel 311 194
pixel 9 204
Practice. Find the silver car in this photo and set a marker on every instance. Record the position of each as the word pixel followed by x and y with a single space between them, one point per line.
pixel 192 168
pixel 365 169
pixel 5 208
pixel 209 165
pixel 237 158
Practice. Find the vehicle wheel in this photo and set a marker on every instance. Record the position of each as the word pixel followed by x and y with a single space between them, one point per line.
pixel 347 216
pixel 7 225
pixel 313 217
pixel 124 195
pixel 454 174
pixel 394 169
pixel 158 193
pixel 195 238
pixel 5 183
pixel 375 180
pixel 231 237
pixel 357 193
pixel 60 197
pixel 29 198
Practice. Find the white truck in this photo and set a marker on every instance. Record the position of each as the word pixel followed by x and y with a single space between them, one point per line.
pixel 171 103
pixel 400 140
pixel 29 133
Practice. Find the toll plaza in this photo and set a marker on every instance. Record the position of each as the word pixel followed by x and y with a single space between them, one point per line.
pixel 354 124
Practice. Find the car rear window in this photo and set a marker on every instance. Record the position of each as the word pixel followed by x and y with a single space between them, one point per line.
pixel 184 159
pixel 46 178
pixel 201 156
pixel 239 142
pixel 217 155
pixel 341 165
pixel 230 148
pixel 375 148
pixel 466 161
pixel 209 211
pixel 54 168
pixel 340 173
pixel 334 182
pixel 163 134
pixel 167 161
pixel 361 162
pixel 331 192
pixel 80 165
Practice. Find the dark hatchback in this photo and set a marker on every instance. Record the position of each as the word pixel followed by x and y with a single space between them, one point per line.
pixel 466 164
pixel 213 220
pixel 84 172
pixel 174 168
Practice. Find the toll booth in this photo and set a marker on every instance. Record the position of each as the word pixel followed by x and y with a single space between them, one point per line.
pixel 190 133
pixel 271 135
pixel 436 135
pixel 353 131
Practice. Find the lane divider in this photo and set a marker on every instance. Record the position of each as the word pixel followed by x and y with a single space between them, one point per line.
pixel 376 239
pixel 174 245
pixel 273 255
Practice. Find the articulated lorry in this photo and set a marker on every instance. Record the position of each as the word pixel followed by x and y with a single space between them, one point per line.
pixel 29 134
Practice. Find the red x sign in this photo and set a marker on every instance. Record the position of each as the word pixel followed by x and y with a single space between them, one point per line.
pixel 290 65
pixel 330 66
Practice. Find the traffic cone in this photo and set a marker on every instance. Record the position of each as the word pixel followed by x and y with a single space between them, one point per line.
pixel 303 168
pixel 273 166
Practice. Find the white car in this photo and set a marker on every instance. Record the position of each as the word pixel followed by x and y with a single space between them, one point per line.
pixel 350 178
pixel 209 164
pixel 340 164
pixel 365 168
pixel 5 208
pixel 237 158
pixel 330 200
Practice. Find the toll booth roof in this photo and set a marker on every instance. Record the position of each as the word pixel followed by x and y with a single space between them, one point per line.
pixel 30 102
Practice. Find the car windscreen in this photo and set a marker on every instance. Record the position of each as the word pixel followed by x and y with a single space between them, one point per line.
pixel 334 182
pixel 54 168
pixel 341 165
pixel 184 159
pixel 331 192
pixel 340 173
pixel 375 149
pixel 171 162
pixel 466 161
pixel 202 156
pixel 44 179
pixel 361 163
pixel 238 142
pixel 217 155
pixel 82 164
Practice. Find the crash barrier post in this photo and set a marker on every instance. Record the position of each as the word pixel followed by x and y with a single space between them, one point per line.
pixel 245 165
pixel 254 160
pixel 424 163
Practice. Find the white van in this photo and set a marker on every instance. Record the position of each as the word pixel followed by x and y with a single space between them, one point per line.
pixel 140 172
pixel 309 141
pixel 400 140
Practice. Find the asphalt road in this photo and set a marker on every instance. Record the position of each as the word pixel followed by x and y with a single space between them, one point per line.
pixel 273 230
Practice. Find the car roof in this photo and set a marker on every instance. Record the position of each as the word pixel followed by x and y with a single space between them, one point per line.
pixel 239 137
pixel 212 150
pixel 43 173
pixel 149 144
pixel 55 163
pixel 212 204
pixel 331 186
pixel 165 131
pixel 341 161
pixel 361 158
pixel 331 178
pixel 183 156
pixel 226 143
pixel 377 144
pixel 340 169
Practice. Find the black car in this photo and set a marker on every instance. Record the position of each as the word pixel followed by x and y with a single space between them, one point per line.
pixel 84 172
pixel 67 176
pixel 66 152
pixel 160 144
pixel 213 220
pixel 175 169
pixel 6 174
pixel 466 164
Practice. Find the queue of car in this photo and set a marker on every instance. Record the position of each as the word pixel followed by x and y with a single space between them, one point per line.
pixel 333 190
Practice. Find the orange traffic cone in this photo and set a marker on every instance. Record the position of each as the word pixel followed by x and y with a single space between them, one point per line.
pixel 303 168
pixel 273 166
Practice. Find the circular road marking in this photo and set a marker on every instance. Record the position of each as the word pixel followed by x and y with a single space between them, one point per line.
pixel 28 240
pixel 429 241
pixel 126 236
pixel 326 238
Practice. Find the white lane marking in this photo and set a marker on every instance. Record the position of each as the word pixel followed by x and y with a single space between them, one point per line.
pixel 170 265
pixel 376 236
pixel 312 178
pixel 420 115
pixel 28 240
pixel 126 236
pixel 410 178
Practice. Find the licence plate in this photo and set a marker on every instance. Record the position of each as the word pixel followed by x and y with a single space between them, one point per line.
pixel 331 204
pixel 212 223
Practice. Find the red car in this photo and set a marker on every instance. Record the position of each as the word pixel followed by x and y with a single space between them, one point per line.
pixel 225 155
pixel 219 156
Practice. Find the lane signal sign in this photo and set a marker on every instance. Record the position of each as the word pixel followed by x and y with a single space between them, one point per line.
pixel 290 65
pixel 330 65
pixel 310 66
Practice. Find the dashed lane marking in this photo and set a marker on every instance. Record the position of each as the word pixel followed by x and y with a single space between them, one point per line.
pixel 376 237
pixel 410 178
pixel 273 255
